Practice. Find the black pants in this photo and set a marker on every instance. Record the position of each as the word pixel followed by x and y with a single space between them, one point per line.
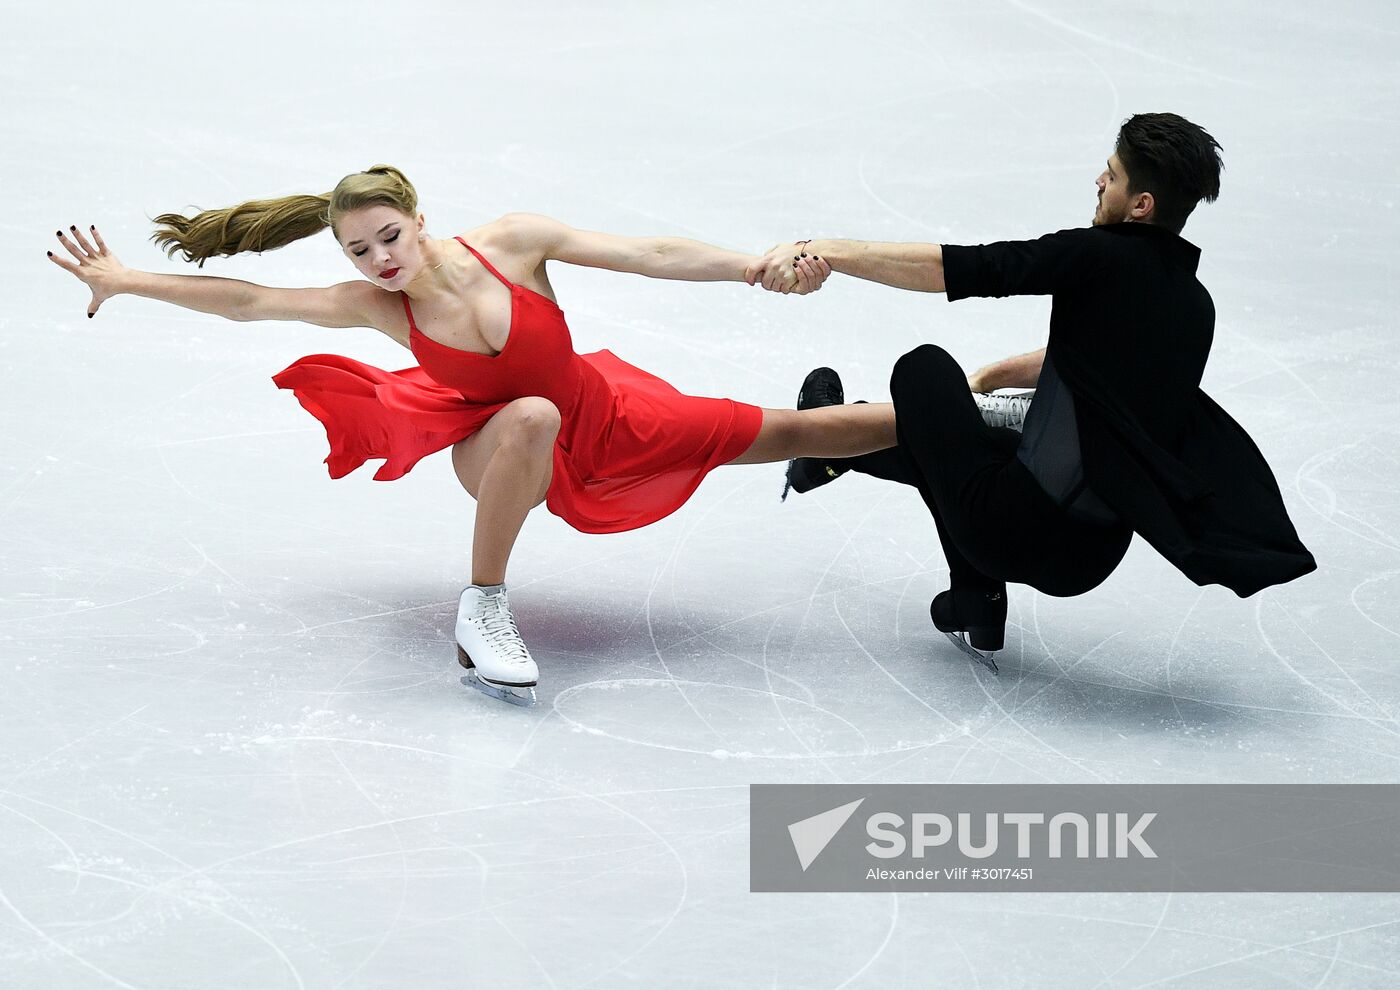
pixel 994 520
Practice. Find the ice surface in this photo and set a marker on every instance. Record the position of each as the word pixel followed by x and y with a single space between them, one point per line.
pixel 236 752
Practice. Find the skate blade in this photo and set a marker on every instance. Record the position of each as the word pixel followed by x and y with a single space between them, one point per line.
pixel 522 696
pixel 985 659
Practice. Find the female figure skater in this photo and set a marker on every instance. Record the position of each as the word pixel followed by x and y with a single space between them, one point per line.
pixel 606 446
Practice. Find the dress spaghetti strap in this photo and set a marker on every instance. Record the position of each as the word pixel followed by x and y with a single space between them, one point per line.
pixel 408 310
pixel 489 267
pixel 409 313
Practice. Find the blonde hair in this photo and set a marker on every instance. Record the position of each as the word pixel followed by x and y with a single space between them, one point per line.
pixel 267 224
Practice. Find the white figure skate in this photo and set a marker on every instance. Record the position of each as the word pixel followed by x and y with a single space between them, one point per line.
pixel 490 648
pixel 1004 410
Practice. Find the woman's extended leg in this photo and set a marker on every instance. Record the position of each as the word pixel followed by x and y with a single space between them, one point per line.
pixel 831 431
pixel 507 466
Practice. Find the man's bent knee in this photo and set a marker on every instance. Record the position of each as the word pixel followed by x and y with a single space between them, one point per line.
pixel 927 366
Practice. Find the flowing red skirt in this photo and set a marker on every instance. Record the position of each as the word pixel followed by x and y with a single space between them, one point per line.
pixel 632 451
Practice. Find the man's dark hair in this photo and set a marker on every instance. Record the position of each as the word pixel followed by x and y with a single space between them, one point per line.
pixel 1173 159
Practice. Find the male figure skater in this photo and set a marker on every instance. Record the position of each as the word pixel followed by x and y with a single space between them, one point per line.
pixel 1119 437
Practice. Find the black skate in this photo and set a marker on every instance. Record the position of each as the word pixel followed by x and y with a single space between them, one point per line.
pixel 975 622
pixel 820 388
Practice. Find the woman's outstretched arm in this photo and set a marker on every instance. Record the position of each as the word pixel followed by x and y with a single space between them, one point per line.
pixel 656 257
pixel 94 264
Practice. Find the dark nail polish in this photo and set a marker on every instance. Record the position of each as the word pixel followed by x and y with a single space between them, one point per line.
pixel 92 226
pixel 804 254
pixel 58 233
pixel 816 257
pixel 72 226
pixel 50 254
pixel 91 315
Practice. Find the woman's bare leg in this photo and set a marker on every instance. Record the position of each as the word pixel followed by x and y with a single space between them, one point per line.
pixel 506 466
pixel 830 431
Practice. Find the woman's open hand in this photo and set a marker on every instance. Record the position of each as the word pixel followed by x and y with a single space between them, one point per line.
pixel 96 267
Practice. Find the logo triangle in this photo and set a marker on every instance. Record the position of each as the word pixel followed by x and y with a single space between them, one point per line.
pixel 811 835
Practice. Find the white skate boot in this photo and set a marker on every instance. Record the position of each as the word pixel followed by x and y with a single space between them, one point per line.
pixel 490 647
pixel 1004 410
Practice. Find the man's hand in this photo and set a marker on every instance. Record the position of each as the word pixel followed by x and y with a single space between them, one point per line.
pixel 981 380
pixel 1014 372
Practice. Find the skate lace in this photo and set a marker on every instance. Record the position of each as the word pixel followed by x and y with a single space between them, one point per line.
pixel 828 393
pixel 1003 410
pixel 499 625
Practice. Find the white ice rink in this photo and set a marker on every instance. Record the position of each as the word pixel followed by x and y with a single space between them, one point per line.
pixel 234 751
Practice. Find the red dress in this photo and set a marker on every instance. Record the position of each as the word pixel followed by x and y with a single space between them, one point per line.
pixel 631 449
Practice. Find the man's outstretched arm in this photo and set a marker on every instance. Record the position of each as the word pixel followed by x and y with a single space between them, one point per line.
pixel 1014 372
pixel 1067 260
pixel 904 266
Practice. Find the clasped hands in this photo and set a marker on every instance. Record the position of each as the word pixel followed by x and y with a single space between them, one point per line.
pixel 788 268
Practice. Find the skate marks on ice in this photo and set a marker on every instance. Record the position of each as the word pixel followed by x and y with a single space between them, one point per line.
pixel 511 843
pixel 737 717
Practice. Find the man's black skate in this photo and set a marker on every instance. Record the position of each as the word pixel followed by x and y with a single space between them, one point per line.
pixel 975 621
pixel 820 388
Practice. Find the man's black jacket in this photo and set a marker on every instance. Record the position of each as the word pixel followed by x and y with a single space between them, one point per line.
pixel 1130 331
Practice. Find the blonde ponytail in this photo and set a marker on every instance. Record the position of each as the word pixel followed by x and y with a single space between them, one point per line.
pixel 267 224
